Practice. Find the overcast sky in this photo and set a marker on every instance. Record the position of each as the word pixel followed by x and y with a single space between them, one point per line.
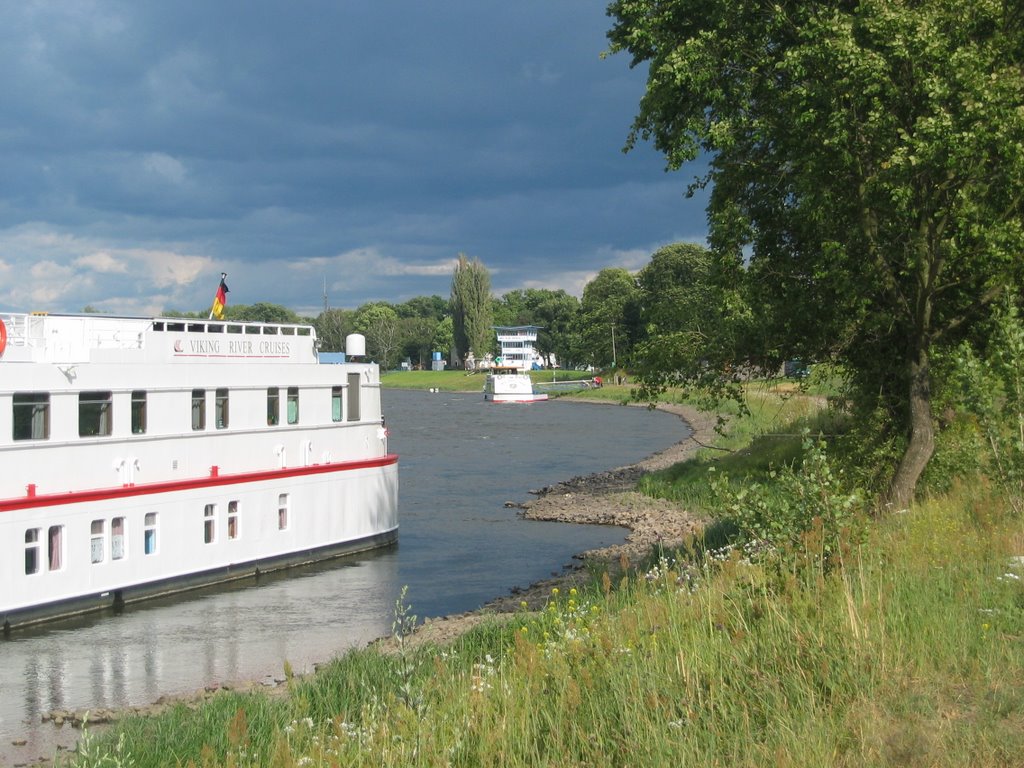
pixel 148 146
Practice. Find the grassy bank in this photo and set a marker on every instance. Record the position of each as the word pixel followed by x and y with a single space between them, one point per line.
pixel 460 381
pixel 904 650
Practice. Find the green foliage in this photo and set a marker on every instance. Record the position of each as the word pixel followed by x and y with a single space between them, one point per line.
pixel 864 216
pixel 89 753
pixel 795 501
pixel 693 329
pixel 379 323
pixel 402 628
pixel 444 337
pixel 606 327
pixel 332 326
pixel 907 653
pixel 416 339
pixel 471 308
pixel 429 307
pixel 991 389
pixel 261 312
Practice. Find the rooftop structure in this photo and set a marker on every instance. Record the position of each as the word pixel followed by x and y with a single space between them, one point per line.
pixel 518 345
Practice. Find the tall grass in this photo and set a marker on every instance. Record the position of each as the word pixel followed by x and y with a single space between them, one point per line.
pixel 908 653
pixel 749 448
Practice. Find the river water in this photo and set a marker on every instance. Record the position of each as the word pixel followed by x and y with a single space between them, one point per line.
pixel 460 460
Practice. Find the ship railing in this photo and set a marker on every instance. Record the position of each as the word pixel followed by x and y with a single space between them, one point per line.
pixel 23 330
pixel 99 331
pixel 191 325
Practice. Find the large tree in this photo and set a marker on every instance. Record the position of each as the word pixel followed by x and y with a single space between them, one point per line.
pixel 378 321
pixel 260 312
pixel 435 307
pixel 471 307
pixel 606 324
pixel 416 336
pixel 696 326
pixel 867 169
pixel 332 326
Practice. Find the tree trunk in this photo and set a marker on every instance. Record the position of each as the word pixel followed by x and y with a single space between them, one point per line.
pixel 922 433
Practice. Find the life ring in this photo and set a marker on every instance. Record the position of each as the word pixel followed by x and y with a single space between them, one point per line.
pixel 3 338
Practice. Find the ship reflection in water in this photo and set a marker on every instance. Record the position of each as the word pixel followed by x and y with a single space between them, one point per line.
pixel 233 633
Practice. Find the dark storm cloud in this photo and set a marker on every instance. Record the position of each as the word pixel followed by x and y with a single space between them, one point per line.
pixel 148 146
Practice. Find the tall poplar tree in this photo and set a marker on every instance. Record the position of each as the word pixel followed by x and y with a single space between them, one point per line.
pixel 867 172
pixel 471 308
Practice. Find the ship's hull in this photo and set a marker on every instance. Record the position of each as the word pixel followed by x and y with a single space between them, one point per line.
pixel 329 511
pixel 142 457
pixel 511 388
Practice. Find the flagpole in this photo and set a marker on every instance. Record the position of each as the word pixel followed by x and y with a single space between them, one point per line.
pixel 217 297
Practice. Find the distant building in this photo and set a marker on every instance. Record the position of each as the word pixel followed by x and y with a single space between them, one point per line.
pixel 518 345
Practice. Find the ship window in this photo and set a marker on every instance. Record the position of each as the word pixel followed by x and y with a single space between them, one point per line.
pixel 353 397
pixel 273 406
pixel 117 538
pixel 149 534
pixel 139 412
pixel 232 519
pixel 55 547
pixel 31 411
pixel 293 405
pixel 94 414
pixel 32 551
pixel 282 512
pixel 336 403
pixel 96 541
pixel 209 523
pixel 221 410
pixel 198 409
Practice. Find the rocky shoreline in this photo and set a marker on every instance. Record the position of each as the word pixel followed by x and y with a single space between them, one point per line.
pixel 603 498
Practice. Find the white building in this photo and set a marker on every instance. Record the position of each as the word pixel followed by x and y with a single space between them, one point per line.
pixel 518 344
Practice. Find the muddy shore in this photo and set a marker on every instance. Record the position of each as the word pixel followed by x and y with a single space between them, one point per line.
pixel 603 498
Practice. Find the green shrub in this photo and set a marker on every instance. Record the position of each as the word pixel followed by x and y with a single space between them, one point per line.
pixel 792 503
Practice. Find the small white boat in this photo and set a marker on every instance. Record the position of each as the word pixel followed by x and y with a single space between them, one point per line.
pixel 145 456
pixel 510 385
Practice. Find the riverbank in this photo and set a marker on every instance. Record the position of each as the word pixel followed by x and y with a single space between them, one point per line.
pixel 602 498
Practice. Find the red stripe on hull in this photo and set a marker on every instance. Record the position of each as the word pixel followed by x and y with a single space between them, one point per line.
pixel 104 494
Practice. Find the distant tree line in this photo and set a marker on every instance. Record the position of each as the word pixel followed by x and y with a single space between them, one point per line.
pixel 616 316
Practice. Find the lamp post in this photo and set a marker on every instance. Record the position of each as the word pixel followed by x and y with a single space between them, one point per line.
pixel 613 346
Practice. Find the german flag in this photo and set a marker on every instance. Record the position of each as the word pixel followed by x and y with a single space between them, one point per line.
pixel 220 300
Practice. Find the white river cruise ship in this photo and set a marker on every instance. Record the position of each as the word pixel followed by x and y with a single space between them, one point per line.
pixel 144 456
